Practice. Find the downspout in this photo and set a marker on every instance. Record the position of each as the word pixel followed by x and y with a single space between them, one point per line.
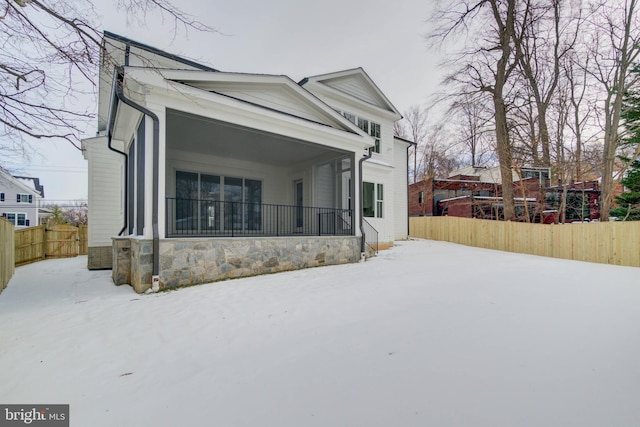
pixel 408 181
pixel 360 162
pixel 156 160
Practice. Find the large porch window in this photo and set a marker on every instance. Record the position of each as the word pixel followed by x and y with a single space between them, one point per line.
pixel 215 203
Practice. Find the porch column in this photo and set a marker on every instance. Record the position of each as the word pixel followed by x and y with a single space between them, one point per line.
pixel 356 190
pixel 149 172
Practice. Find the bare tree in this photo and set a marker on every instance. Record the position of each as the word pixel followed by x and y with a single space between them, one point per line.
pixel 415 120
pixel 475 124
pixel 486 66
pixel 614 48
pixel 541 41
pixel 50 50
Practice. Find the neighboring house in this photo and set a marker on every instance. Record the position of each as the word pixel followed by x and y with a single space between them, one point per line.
pixel 20 199
pixel 207 175
pixel 476 192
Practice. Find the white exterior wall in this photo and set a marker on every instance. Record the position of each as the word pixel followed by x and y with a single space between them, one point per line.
pixel 278 100
pixel 383 168
pixel 106 191
pixel 378 174
pixel 11 189
pixel 401 202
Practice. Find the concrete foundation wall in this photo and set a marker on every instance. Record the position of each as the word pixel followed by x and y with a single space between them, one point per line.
pixel 186 262
pixel 100 258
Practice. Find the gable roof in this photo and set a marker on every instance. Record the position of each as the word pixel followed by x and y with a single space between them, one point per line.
pixel 27 184
pixel 355 83
pixel 132 43
pixel 272 92
pixel 33 183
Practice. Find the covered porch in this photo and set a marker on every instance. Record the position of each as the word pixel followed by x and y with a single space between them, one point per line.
pixel 226 180
pixel 221 187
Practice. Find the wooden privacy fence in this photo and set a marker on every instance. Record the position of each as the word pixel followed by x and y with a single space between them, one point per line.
pixel 616 243
pixel 60 241
pixel 7 254
pixel 29 245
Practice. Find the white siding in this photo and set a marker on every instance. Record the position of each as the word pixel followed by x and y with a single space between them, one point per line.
pixel 357 87
pixel 278 99
pixel 10 204
pixel 106 193
pixel 383 168
pixel 378 174
pixel 324 186
pixel 401 207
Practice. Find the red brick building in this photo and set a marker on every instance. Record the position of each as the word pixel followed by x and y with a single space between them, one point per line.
pixel 471 196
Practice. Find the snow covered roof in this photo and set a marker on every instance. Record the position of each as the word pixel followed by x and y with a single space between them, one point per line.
pixel 32 183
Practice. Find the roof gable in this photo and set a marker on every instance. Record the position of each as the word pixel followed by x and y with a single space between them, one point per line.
pixel 355 83
pixel 276 93
pixel 25 184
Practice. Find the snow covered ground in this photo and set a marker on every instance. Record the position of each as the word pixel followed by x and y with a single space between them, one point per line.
pixel 426 334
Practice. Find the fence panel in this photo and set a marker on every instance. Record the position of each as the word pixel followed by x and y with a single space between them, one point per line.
pixel 29 245
pixel 615 243
pixel 83 236
pixel 7 253
pixel 62 241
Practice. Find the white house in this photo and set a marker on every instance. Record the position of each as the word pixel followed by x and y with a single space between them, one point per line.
pixel 206 175
pixel 20 199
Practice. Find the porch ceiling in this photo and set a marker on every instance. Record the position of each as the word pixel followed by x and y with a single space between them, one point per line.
pixel 202 135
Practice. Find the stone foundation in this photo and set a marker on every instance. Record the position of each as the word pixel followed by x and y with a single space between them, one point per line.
pixel 185 262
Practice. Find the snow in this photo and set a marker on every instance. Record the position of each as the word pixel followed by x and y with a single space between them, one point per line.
pixel 426 334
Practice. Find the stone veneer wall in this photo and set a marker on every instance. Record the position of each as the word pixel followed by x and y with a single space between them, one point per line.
pixel 193 261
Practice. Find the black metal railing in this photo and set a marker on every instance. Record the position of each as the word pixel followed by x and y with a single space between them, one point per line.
pixel 210 218
pixel 370 236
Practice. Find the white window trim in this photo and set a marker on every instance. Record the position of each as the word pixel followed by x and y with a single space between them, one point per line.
pixel 368 127
pixel 21 196
pixel 378 203
pixel 27 222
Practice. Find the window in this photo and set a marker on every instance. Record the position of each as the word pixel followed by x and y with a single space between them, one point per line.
pixel 421 197
pixel 24 198
pixel 363 124
pixel 371 128
pixel 374 131
pixel 372 200
pixel 1 197
pixel 349 116
pixel 211 202
pixel 17 219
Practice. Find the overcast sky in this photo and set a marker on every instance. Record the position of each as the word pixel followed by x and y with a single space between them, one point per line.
pixel 296 38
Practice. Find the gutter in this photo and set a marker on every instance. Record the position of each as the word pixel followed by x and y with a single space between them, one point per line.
pixel 360 162
pixel 155 280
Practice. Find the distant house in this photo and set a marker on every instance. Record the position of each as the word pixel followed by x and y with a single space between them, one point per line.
pixel 476 192
pixel 20 199
pixel 199 175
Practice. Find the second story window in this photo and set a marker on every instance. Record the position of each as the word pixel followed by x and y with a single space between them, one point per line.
pixel 374 131
pixel 369 127
pixel 1 197
pixel 24 198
